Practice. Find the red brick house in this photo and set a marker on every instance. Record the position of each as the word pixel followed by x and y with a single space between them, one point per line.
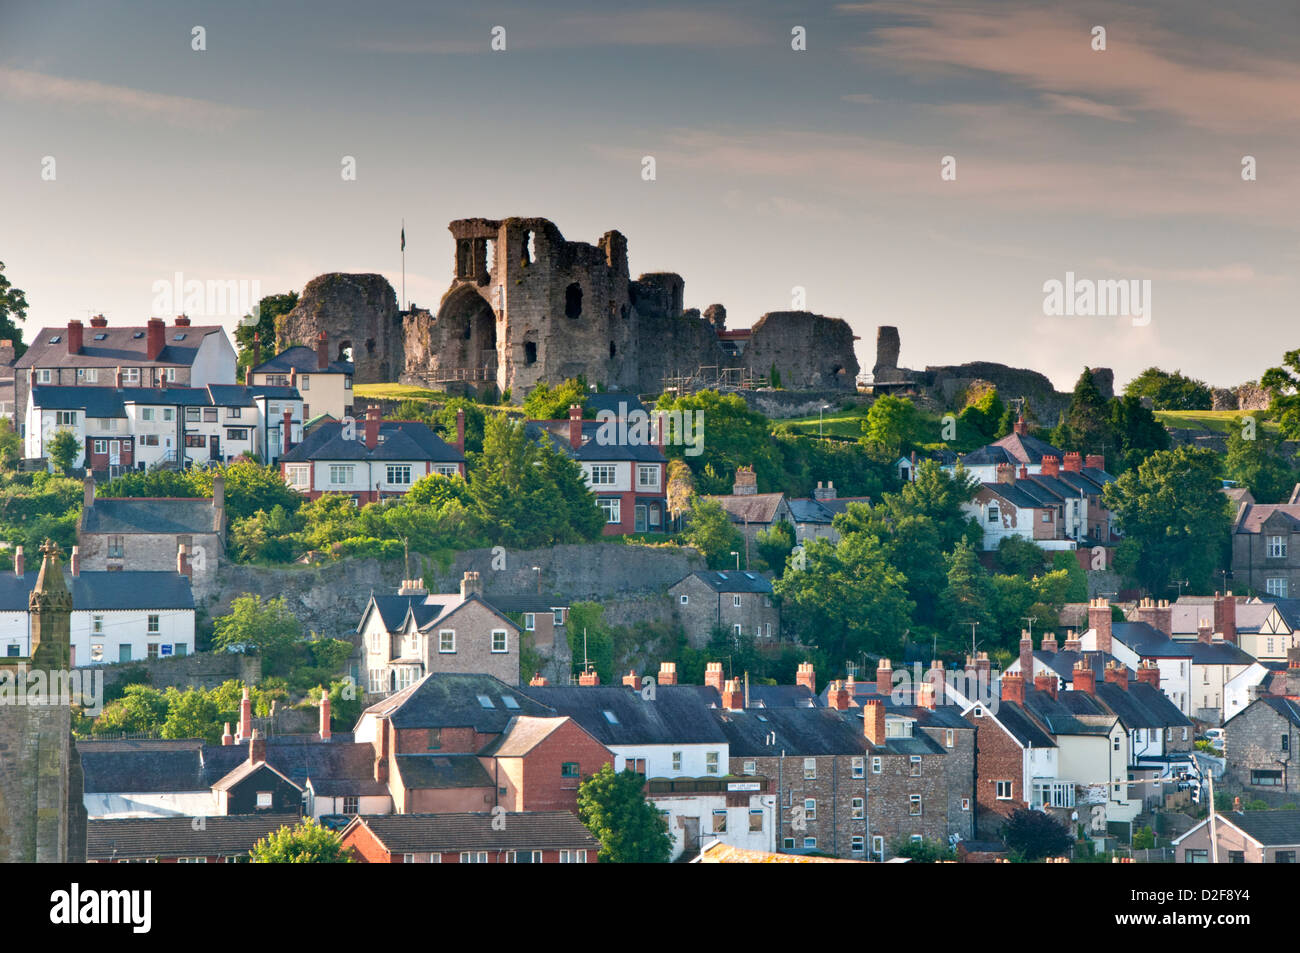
pixel 535 837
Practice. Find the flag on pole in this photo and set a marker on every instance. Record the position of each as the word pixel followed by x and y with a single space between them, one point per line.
pixel 403 238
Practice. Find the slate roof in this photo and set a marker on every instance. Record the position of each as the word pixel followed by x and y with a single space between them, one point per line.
pixel 112 401
pixel 176 837
pixel 522 735
pixel 401 440
pixel 556 432
pixel 1060 715
pixel 305 360
pixel 245 771
pixel 104 590
pixel 799 732
pixel 1062 662
pixel 450 700
pixel 173 516
pixel 1149 642
pixel 1186 617
pixel 729 581
pixel 1013 448
pixel 615 403
pixel 766 696
pixel 1288 708
pixel 526 603
pixel 676 715
pixel 112 346
pixel 1017 721
pixel 1253 516
pixel 529 830
pixel 751 507
pixel 442 771
pixel 805 510
pixel 427 610
pixel 1289 610
pixel 1139 707
pixel 1015 494
pixel 1270 828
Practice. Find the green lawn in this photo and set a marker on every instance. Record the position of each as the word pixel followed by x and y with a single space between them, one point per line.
pixel 397 392
pixel 835 423
pixel 1220 421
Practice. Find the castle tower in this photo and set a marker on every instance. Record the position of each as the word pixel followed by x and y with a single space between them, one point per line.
pixel 50 605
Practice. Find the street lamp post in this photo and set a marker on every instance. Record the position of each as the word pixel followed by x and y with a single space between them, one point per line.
pixel 737 555
pixel 820 409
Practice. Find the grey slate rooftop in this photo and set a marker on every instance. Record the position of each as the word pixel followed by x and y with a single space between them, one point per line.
pixel 400 441
pixel 104 590
pixel 151 516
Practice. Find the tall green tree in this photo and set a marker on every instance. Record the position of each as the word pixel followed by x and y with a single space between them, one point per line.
pixel 892 425
pixel 63 449
pixel 629 828
pixel 1033 835
pixel 1174 517
pixel 1284 384
pixel 13 308
pixel 308 843
pixel 731 435
pixel 262 322
pixel 1170 390
pixel 1255 460
pixel 552 403
pixel 11 445
pixel 1136 432
pixel 1085 426
pixel 967 598
pixel 266 625
pixel 710 530
pixel 774 545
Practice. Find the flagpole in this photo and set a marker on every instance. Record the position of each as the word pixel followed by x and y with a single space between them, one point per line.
pixel 404 264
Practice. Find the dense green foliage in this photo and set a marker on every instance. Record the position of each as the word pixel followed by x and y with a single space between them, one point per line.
pixel 1170 391
pixel 1256 460
pixel 13 308
pixel 710 530
pixel 308 843
pixel 1033 835
pixel 630 829
pixel 552 403
pixel 262 323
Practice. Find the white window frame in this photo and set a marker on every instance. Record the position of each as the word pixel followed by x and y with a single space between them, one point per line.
pixel 612 508
pixel 402 471
pixel 650 470
pixel 346 470
pixel 505 641
pixel 446 646
pixel 1000 786
pixel 603 474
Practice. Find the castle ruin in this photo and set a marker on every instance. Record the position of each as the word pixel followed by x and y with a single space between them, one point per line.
pixel 526 306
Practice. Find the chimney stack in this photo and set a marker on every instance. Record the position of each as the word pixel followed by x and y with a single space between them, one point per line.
pixel 248 376
pixel 539 681
pixel 837 695
pixel 471 584
pixel 806 677
pixel 245 718
pixel 286 430
pixel 733 695
pixel 1099 621
pixel 74 562
pixel 325 716
pixel 589 679
pixel 1204 632
pixel 99 321
pixel 256 747
pixel 873 720
pixel 183 565
pixel 372 426
pixel 884 678
pixel 1225 616
pixel 1085 679
pixel 938 683
pixel 1051 465
pixel 88 491
pixel 575 426
pixel 219 492
pixel 156 338
pixel 1095 461
pixel 1045 682
pixel 1013 688
pixel 1021 428
pixel 1149 672
pixel 382 729
pixel 322 351
pixel 182 320
pixel 631 679
pixel 460 429
pixel 1006 473
pixel 1049 643
pixel 117 378
pixel 1073 462
pixel 1117 674
pixel 257 351
pixel 227 739
pixel 1072 641
pixel 19 566
pixel 667 673
pixel 713 676
pixel 746 482
pixel 925 695
pixel 76 336
pixel 1026 656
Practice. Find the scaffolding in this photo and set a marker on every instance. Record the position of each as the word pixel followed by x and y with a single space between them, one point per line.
pixel 713 377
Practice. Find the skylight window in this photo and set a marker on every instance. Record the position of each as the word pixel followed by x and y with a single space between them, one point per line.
pixel 101 337
pixel 611 717
pixel 55 339
pixel 138 335
pixel 486 702
pixel 509 701
pixel 179 337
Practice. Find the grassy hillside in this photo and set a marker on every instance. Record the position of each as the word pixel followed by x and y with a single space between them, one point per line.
pixel 1219 421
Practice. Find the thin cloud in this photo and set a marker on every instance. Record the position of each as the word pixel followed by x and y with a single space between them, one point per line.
pixel 26 86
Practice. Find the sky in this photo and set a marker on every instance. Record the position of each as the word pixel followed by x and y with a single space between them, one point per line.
pixel 127 157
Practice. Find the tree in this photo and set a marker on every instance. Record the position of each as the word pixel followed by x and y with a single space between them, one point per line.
pixel 445 423
pixel 681 488
pixel 11 445
pixel 267 626
pixel 968 596
pixel 140 709
pixel 591 639
pixel 1284 384
pixel 731 436
pixel 629 828
pixel 1174 517
pixel 1018 556
pixel 1254 459
pixel 1085 426
pixel 191 714
pixel 891 425
pixel 249 487
pixel 308 843
pixel 710 530
pixel 63 449
pixel 262 322
pixel 1034 835
pixel 775 544
pixel 981 419
pixel 13 308
pixel 552 403
pixel 1144 839
pixel 924 851
pixel 1170 391
pixel 1136 432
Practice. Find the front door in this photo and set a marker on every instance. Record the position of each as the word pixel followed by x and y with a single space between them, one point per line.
pixel 124 652
pixel 641 518
pixel 114 453
pixel 214 445
pixel 691 834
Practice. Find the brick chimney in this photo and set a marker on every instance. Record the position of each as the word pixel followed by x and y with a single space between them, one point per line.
pixel 372 426
pixel 873 720
pixel 286 430
pixel 713 676
pixel 1204 632
pixel 248 376
pixel 1149 672
pixel 667 673
pixel 325 716
pixel 1024 472
pixel 1013 688
pixel 382 729
pixel 1045 682
pixel 460 429
pixel 471 584
pixel 293 377
pixel 837 695
pixel 575 426
pixel 227 739
pixel 76 336
pixel 1006 473
pixel 1099 621
pixel 1165 618
pixel 245 718
pixel 884 678
pixel 117 378
pixel 1095 461
pixel 746 482
pixel 1073 462
pixel 182 320
pixel 631 679
pixel 733 695
pixel 74 561
pixel 88 491
pixel 1049 643
pixel 99 321
pixel 1117 674
pixel 219 492
pixel 257 350
pixel 826 492
pixel 925 695
pixel 183 565
pixel 1085 679
pixel 1051 465
pixel 1072 642
pixel 937 682
pixel 539 681
pixel 322 351
pixel 256 747
pixel 1026 656
pixel 156 338
pixel 1021 428
pixel 19 566
pixel 806 676
pixel 589 679
pixel 982 665
pixel 1225 616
